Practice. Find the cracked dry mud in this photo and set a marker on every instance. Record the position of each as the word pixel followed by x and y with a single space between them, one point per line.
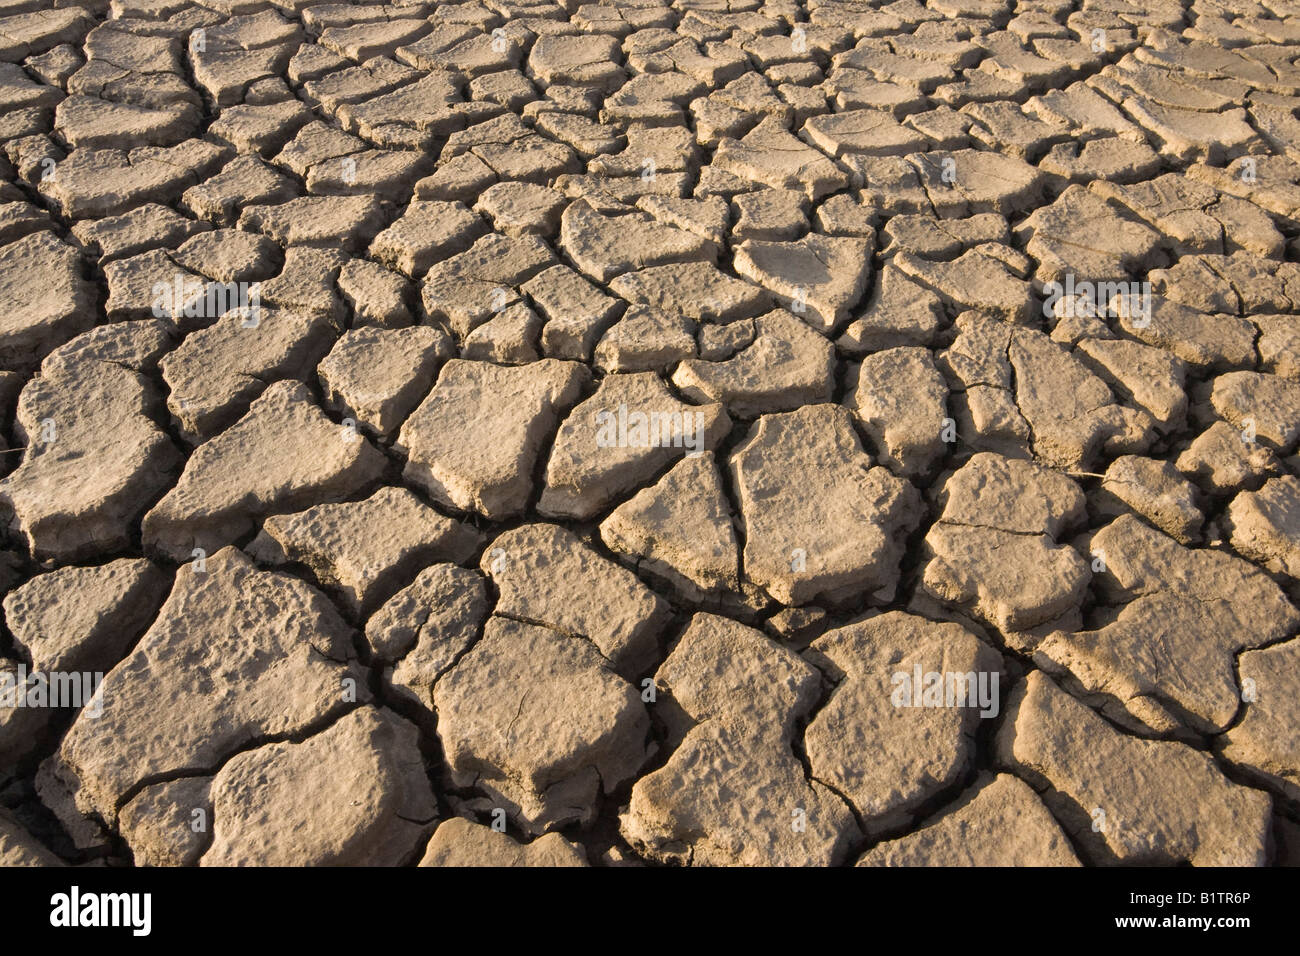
pixel 706 432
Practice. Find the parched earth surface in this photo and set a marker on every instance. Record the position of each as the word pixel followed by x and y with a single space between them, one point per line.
pixel 709 432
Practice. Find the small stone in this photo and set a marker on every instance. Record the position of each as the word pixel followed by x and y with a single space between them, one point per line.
pixel 1160 803
pixel 945 239
pixel 1266 404
pixel 1156 491
pixel 820 522
pixel 469 288
pixel 880 740
pixel 428 232
pixel 784 366
pixel 1264 525
pixel 680 531
pixel 519 407
pixel 84 619
pixel 1263 743
pixel 158 824
pixel 901 400
pixel 999 821
pixel 976 280
pixel 1211 342
pixel 862 131
pixel 1174 620
pixel 216 373
pixel 510 338
pixel 696 290
pixel 604 247
pixel 330 222
pixel 275 643
pixel 547 575
pixel 520 208
pixel 145 228
pixel 379 375
pixel 645 340
pixel 539 724
pixel 1223 461
pixel 229 255
pixel 284 454
pixel 575 311
pixel 818 278
pixel 628 431
pixel 768 154
pixel 425 627
pixel 460 843
pixel 307 283
pixel 1150 378
pixel 996 547
pixel 248 180
pixel 376 295
pixel 1115 246
pixel 94 183
pixel 44 301
pixel 898 313
pixel 1112 158
pixel 772 215
pixel 975 181
pixel 363 551
pixel 733 792
pixel 355 794
pixel 90 403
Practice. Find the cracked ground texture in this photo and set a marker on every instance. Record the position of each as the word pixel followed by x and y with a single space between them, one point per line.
pixel 599 433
